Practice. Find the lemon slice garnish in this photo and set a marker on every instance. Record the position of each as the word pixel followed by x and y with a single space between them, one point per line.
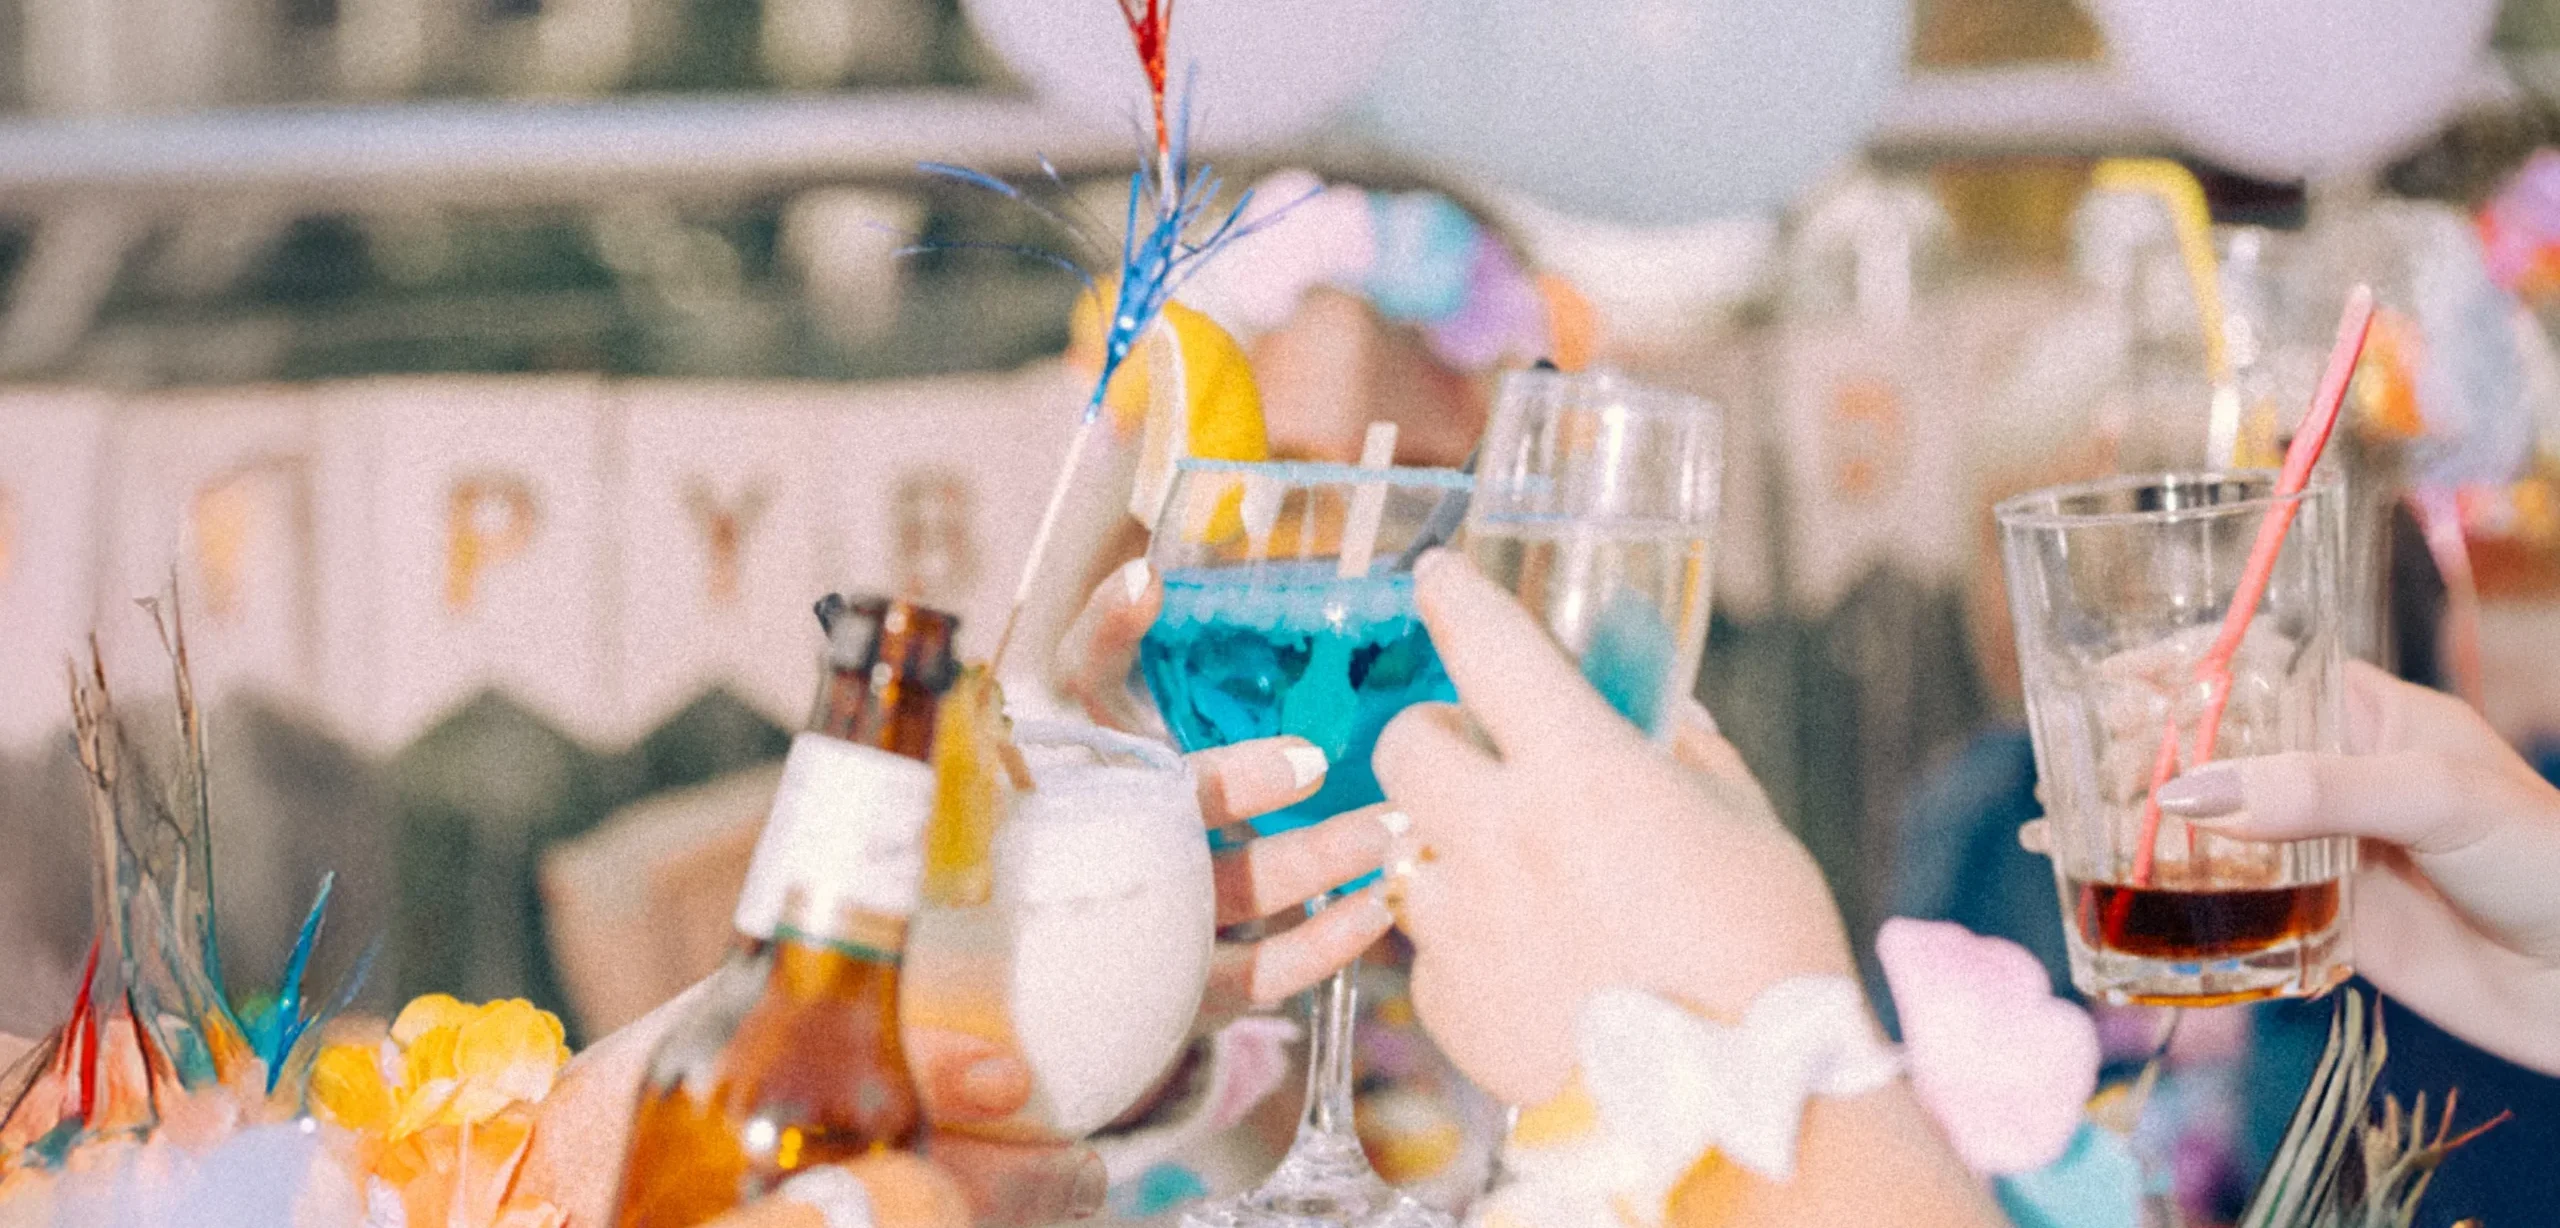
pixel 1193 397
pixel 972 786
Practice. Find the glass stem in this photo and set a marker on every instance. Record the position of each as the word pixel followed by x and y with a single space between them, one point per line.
pixel 1330 1017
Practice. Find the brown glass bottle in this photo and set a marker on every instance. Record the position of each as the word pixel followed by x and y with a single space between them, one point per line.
pixel 790 1057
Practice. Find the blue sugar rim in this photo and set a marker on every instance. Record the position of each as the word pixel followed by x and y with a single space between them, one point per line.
pixel 1325 473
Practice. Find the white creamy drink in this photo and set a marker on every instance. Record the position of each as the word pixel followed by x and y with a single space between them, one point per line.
pixel 1090 958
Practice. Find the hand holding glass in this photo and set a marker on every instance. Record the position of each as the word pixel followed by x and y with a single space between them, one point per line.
pixel 2119 589
pixel 1284 613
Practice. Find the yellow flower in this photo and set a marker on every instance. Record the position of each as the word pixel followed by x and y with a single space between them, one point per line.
pixel 347 1088
pixel 428 1012
pixel 506 1054
pixel 446 1064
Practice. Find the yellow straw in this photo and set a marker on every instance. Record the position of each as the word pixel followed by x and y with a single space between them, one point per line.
pixel 2177 190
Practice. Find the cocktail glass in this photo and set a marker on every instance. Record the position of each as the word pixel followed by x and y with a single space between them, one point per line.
pixel 1286 611
pixel 1089 958
pixel 1595 505
pixel 2119 589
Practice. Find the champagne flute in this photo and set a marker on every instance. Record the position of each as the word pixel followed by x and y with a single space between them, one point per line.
pixel 1284 613
pixel 1595 505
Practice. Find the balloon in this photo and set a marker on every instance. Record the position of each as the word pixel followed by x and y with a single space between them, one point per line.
pixel 1265 69
pixel 1653 112
pixel 2287 89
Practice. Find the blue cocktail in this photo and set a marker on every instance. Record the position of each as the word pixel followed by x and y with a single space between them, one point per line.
pixel 1255 650
pixel 1287 610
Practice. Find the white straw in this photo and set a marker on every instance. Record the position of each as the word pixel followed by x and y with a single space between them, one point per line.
pixel 1368 504
pixel 1040 540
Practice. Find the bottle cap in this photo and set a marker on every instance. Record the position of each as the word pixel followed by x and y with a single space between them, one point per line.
pixel 887 664
pixel 865 632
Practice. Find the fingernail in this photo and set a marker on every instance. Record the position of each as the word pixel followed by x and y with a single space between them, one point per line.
pixel 996 1085
pixel 2208 792
pixel 1093 1186
pixel 1432 560
pixel 1306 765
pixel 1396 822
pixel 989 1074
pixel 1133 580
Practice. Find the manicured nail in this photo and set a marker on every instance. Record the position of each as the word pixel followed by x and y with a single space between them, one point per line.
pixel 1133 580
pixel 2208 792
pixel 1432 560
pixel 1093 1186
pixel 1396 822
pixel 1306 765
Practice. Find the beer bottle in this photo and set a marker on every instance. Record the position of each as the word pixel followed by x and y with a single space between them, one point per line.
pixel 790 1057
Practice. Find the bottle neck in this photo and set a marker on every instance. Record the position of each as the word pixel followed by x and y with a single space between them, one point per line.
pixel 847 828
pixel 847 822
pixel 838 954
pixel 824 944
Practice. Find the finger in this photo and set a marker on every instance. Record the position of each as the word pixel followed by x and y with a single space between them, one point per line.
pixel 889 1190
pixel 1428 762
pixel 1095 654
pixel 2428 803
pixel 2414 945
pixel 966 1079
pixel 1416 889
pixel 1014 1185
pixel 779 1211
pixel 2386 714
pixel 2036 836
pixel 1268 874
pixel 1509 673
pixel 1254 778
pixel 1257 975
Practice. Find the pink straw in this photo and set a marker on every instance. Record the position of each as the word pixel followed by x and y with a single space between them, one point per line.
pixel 2299 458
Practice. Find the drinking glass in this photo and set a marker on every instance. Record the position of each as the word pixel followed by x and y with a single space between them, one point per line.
pixel 1595 505
pixel 2119 588
pixel 1089 958
pixel 1288 609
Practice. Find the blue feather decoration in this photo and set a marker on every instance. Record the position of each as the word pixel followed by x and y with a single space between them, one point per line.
pixel 1174 226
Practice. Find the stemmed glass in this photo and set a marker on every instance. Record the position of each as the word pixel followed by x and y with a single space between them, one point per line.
pixel 1595 505
pixel 1288 609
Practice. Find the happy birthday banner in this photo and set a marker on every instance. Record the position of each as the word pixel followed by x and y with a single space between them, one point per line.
pixel 377 552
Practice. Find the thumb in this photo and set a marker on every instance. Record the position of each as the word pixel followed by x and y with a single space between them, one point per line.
pixel 1093 657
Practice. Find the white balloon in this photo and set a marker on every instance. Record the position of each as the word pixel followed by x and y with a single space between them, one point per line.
pixel 1259 70
pixel 1648 112
pixel 2295 88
